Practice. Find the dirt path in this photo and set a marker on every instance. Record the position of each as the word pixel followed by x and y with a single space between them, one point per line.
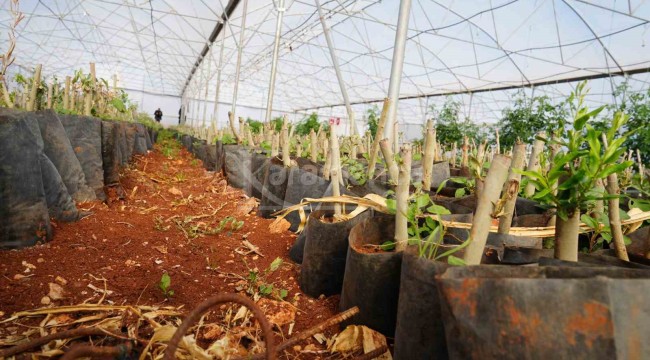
pixel 132 241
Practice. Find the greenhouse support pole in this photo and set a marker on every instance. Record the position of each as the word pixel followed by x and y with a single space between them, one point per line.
pixel 218 87
pixel 396 68
pixel 337 69
pixel 240 47
pixel 207 86
pixel 274 64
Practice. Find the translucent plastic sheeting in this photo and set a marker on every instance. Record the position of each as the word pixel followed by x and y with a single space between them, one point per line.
pixel 453 47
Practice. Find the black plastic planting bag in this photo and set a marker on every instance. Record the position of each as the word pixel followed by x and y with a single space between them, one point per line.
pixel 111 153
pixel 302 184
pixel 23 208
pixel 140 146
pixel 220 156
pixel 130 135
pixel 237 163
pixel 439 173
pixel 186 141
pixel 57 147
pixel 210 162
pixel 371 279
pixel 325 251
pixel 508 312
pixel 419 332
pixel 275 187
pixel 259 166
pixel 85 134
pixel 59 203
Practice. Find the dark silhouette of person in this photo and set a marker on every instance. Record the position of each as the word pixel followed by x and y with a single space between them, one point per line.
pixel 158 115
pixel 180 111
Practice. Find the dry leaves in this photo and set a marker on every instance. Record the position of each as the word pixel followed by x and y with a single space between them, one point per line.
pixel 278 312
pixel 359 337
pixel 175 191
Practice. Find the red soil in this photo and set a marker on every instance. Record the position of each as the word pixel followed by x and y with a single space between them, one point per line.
pixel 122 243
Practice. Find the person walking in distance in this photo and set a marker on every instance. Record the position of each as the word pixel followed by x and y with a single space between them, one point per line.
pixel 158 115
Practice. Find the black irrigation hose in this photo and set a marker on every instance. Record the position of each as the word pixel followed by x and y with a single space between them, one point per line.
pixel 118 352
pixel 196 314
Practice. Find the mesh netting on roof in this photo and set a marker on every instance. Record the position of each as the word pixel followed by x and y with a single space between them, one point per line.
pixel 460 47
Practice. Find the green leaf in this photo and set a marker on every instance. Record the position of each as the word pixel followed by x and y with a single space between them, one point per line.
pixel 607 236
pixel 627 240
pixel 391 205
pixel 459 193
pixel 283 293
pixel 591 222
pixel 387 246
pixel 454 261
pixel 438 209
pixel 615 169
pixel 275 264
pixel 422 200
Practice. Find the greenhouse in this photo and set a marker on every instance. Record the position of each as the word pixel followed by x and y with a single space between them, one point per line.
pixel 324 179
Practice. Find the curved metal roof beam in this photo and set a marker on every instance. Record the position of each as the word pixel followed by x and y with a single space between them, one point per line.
pixel 506 52
pixel 595 35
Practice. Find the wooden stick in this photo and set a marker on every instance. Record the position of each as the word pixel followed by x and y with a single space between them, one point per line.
pixel 36 82
pixel 427 159
pixel 66 94
pixel 566 237
pixel 494 180
pixel 231 120
pixel 614 215
pixel 533 162
pixel 465 159
pixel 402 198
pixel 389 159
pixel 511 187
pixel 335 166
pixel 374 149
pixel 50 90
pixel 286 156
pixel 313 146
pixel 275 145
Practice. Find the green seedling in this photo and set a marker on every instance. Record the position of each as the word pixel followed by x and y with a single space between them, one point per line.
pixel 164 284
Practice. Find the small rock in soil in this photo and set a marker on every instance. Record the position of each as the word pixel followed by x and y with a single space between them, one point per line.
pixel 56 291
pixel 46 300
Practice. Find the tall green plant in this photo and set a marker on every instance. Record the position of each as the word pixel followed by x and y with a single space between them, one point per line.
pixel 373 120
pixel 581 162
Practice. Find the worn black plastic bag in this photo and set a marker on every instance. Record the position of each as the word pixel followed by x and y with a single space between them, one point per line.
pixel 23 208
pixel 85 134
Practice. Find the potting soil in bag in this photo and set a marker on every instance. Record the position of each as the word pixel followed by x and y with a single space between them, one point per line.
pixel 57 147
pixel 24 218
pixel 516 312
pixel 372 276
pixel 85 134
pixel 325 252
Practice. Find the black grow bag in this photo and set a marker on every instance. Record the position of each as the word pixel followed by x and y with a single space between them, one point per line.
pixel 57 147
pixel 302 184
pixel 85 134
pixel 259 166
pixel 508 312
pixel 371 280
pixel 419 333
pixel 275 187
pixel 111 153
pixel 23 209
pixel 325 252
pixel 237 165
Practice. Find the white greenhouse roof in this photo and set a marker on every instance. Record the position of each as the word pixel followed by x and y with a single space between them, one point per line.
pixel 462 47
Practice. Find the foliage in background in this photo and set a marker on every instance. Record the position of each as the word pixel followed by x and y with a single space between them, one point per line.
pixel 304 126
pixel 255 126
pixel 529 116
pixel 373 120
pixel 449 128
pixel 277 123
pixel 637 107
